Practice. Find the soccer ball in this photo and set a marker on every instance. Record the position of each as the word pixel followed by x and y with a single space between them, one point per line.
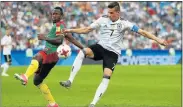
pixel 63 51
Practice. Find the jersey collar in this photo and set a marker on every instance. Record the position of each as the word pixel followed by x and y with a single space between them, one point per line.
pixel 116 21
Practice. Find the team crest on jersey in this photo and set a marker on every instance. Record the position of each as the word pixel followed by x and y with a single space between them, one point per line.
pixel 58 29
pixel 119 27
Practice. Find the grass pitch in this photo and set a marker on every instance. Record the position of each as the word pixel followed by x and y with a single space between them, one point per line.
pixel 130 86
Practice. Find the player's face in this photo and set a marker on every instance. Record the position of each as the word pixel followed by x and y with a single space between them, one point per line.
pixel 113 14
pixel 56 16
pixel 8 31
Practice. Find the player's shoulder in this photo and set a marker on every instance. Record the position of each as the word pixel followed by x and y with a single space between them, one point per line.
pixel 123 19
pixel 60 23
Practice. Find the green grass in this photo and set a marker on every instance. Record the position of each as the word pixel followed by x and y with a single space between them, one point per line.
pixel 130 86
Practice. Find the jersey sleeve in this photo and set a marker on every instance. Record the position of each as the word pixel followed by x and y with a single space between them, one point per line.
pixel 131 26
pixel 96 24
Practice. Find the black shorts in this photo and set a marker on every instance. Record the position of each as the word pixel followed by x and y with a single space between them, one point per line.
pixel 44 70
pixel 7 58
pixel 109 58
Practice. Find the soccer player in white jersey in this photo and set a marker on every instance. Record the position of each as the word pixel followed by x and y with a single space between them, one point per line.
pixel 112 29
pixel 6 43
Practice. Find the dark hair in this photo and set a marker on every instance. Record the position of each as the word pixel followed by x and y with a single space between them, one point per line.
pixel 61 11
pixel 114 5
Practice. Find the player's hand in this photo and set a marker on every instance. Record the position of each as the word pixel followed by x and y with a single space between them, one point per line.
pixel 41 37
pixel 163 42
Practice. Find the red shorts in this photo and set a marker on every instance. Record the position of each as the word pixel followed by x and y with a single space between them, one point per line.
pixel 49 58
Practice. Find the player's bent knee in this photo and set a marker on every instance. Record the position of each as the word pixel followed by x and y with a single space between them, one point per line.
pixel 37 80
pixel 108 71
pixel 89 52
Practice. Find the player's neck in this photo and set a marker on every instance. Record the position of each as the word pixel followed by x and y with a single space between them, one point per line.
pixel 116 19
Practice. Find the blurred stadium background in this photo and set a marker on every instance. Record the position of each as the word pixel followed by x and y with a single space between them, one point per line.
pixel 150 86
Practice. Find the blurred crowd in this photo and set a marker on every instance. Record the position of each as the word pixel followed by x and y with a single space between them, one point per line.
pixel 30 18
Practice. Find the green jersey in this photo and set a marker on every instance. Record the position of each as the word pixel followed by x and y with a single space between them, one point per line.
pixel 55 30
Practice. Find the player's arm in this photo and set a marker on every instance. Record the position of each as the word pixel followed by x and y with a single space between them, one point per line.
pixel 153 37
pixel 69 37
pixel 55 41
pixel 3 42
pixel 82 30
pixel 144 33
pixel 95 25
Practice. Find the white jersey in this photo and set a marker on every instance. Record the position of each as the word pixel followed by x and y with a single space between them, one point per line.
pixel 111 33
pixel 6 41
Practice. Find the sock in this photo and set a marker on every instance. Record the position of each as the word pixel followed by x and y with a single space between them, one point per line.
pixel 76 65
pixel 100 90
pixel 5 66
pixel 32 68
pixel 46 93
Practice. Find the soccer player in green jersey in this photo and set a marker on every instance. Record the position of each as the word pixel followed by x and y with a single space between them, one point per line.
pixel 46 59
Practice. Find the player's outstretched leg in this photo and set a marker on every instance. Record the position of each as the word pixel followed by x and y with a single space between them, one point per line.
pixel 30 70
pixel 75 68
pixel 38 82
pixel 22 78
